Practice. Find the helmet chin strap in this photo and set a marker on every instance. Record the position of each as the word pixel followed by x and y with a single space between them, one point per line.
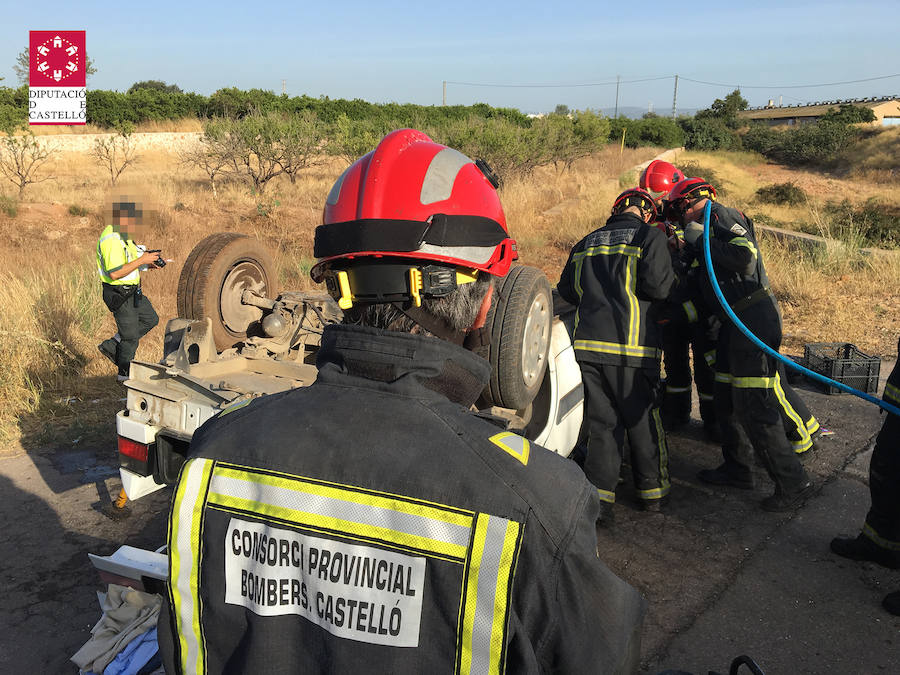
pixel 432 324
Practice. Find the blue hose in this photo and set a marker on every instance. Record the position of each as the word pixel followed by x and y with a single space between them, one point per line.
pixel 790 363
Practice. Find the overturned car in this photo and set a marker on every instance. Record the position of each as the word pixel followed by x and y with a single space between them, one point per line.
pixel 237 337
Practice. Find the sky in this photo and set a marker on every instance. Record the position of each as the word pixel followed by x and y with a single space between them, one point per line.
pixel 403 51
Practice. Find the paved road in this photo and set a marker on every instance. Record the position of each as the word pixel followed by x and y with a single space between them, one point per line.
pixel 721 576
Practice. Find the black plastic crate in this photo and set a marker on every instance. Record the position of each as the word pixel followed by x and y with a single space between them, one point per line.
pixel 843 362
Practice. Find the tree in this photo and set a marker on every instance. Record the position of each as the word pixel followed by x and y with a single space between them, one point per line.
pixel 302 143
pixel 22 67
pixel 725 111
pixel 116 153
pixel 561 109
pixel 156 85
pixel 21 159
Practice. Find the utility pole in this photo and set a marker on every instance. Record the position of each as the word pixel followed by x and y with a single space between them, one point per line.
pixel 616 115
pixel 445 93
pixel 675 99
pixel 283 87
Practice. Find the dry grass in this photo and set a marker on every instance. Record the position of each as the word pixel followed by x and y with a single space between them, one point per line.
pixel 54 378
pixel 150 126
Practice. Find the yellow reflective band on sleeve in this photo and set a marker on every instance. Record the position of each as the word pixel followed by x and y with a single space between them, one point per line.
pixel 613 348
pixel 745 243
pixel 607 496
pixel 870 532
pixel 235 406
pixel 390 520
pixel 486 594
pixel 753 382
pixel 724 378
pixel 690 310
pixel 803 441
pixel 891 393
pixel 512 444
pixel 812 425
pixel 185 549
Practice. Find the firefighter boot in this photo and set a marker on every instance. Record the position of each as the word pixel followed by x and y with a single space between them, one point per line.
pixel 891 603
pixel 863 548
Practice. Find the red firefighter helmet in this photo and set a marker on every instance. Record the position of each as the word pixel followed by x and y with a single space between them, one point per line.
pixel 684 194
pixel 636 197
pixel 409 205
pixel 659 177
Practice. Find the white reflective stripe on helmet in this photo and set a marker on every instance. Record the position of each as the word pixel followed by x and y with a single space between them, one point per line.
pixel 441 175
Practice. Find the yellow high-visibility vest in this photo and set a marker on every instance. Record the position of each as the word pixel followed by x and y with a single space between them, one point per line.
pixel 112 253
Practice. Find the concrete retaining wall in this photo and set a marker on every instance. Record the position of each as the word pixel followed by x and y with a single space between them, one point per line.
pixel 170 141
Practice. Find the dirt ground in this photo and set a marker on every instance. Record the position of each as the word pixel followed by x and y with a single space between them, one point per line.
pixel 686 561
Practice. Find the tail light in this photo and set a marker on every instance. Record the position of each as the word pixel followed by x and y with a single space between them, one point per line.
pixel 134 456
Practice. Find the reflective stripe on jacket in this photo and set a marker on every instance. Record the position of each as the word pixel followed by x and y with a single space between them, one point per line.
pixel 372 523
pixel 616 276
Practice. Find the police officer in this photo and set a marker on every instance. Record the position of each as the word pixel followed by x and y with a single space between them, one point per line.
pixel 119 264
pixel 746 376
pixel 687 326
pixel 371 522
pixel 617 276
pixel 879 541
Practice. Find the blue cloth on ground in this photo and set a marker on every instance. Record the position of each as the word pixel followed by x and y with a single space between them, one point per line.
pixel 135 655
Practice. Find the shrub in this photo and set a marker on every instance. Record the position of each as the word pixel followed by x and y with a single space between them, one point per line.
pixel 781 193
pixel 697 170
pixel 76 210
pixel 9 206
pixel 21 160
pixel 850 114
pixel 708 134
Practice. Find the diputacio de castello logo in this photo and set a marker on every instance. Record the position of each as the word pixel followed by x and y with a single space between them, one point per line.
pixel 57 77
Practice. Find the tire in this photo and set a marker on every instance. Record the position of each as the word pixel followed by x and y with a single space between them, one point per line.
pixel 215 274
pixel 185 296
pixel 520 320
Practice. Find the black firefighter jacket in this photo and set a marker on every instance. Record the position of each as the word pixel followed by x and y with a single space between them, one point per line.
pixel 616 275
pixel 370 523
pixel 737 264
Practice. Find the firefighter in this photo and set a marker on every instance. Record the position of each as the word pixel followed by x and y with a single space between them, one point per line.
pixel 119 264
pixel 687 326
pixel 879 541
pixel 746 376
pixel 617 277
pixel 371 522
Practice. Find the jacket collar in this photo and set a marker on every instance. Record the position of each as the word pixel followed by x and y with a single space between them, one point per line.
pixel 409 364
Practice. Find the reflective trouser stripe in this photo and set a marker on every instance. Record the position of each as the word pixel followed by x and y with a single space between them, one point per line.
pixel 405 524
pixel 891 393
pixel 185 538
pixel 690 310
pixel 607 496
pixel 724 378
pixel 752 382
pixel 677 390
pixel 804 441
pixel 664 486
pixel 706 397
pixel 484 608
pixel 870 532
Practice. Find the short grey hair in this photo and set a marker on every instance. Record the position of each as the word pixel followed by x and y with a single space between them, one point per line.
pixel 458 310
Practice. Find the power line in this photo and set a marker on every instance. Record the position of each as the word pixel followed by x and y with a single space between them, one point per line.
pixel 667 77
pixel 789 86
pixel 558 86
